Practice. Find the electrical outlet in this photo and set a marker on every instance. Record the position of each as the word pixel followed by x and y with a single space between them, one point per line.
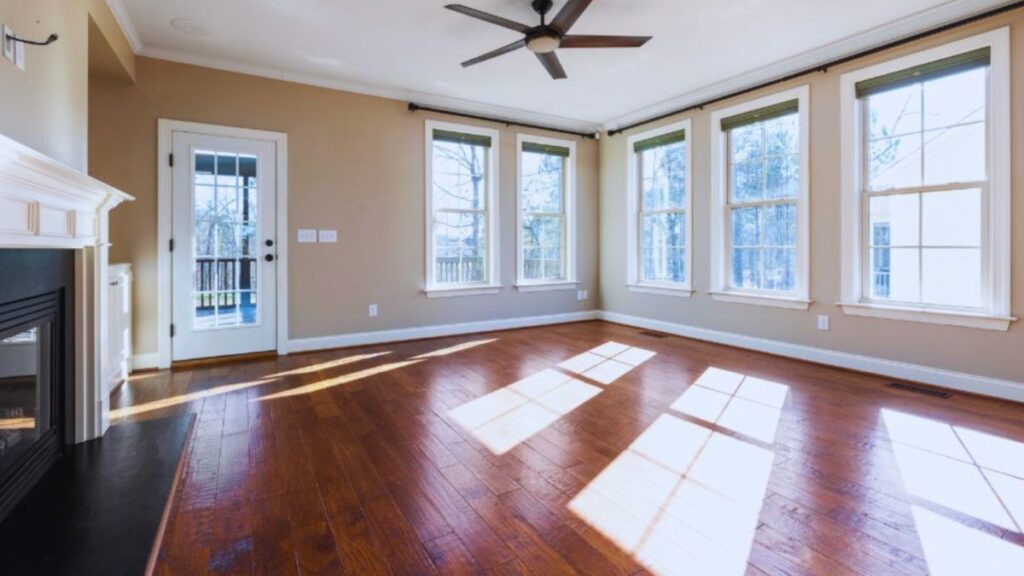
pixel 586 295
pixel 307 236
pixel 373 310
pixel 328 236
pixel 823 322
pixel 9 45
pixel 581 295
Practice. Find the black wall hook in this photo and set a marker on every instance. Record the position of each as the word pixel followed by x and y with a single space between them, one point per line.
pixel 53 38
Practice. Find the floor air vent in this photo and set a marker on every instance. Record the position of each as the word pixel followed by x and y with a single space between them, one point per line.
pixel 920 390
pixel 653 334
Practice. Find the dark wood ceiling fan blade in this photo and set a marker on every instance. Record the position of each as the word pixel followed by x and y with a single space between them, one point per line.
pixel 552 65
pixel 569 14
pixel 495 53
pixel 583 41
pixel 480 15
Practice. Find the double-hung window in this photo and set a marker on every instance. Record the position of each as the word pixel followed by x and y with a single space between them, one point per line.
pixel 926 239
pixel 760 210
pixel 462 180
pixel 659 206
pixel 547 245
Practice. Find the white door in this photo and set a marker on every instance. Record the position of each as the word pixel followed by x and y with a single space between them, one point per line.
pixel 224 261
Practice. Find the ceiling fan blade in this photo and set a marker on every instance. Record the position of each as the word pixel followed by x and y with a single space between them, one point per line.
pixel 569 14
pixel 495 53
pixel 503 22
pixel 581 41
pixel 553 66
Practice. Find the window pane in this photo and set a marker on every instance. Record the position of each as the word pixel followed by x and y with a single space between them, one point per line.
pixel 783 177
pixel 952 218
pixel 880 269
pixel 663 172
pixel 746 226
pixel 894 162
pixel 227 169
pixel 205 202
pixel 205 236
pixel 782 135
pixel 459 176
pixel 957 99
pixel 746 268
pixel 904 275
pixel 746 143
pixel 543 249
pixel 952 277
pixel 895 112
pixel 899 216
pixel 663 241
pixel 779 269
pixel 748 181
pixel 955 155
pixel 459 244
pixel 780 225
pixel 543 177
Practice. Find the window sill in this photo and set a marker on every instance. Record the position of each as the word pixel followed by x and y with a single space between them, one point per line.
pixel 787 302
pixel 660 290
pixel 462 291
pixel 980 321
pixel 546 286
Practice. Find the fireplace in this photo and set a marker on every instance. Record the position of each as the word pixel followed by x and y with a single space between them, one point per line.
pixel 36 366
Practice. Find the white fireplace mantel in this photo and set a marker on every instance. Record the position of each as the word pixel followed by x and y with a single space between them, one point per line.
pixel 46 204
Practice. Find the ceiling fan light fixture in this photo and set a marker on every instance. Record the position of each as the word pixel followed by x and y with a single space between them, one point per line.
pixel 543 43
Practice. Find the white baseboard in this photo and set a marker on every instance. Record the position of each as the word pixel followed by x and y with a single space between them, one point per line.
pixel 144 362
pixel 385 336
pixel 1005 389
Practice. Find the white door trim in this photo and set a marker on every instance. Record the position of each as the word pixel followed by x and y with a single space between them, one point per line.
pixel 165 130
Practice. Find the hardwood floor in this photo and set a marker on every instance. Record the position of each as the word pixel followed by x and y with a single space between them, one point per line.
pixel 480 454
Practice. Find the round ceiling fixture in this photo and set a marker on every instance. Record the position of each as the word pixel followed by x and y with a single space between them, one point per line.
pixel 544 43
pixel 189 26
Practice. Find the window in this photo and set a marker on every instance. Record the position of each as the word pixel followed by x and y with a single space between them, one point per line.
pixel 659 209
pixel 547 238
pixel 760 223
pixel 461 210
pixel 924 182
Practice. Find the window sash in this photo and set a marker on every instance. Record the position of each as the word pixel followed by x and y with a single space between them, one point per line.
pixel 659 142
pixel 565 154
pixel 866 193
pixel 439 135
pixel 485 245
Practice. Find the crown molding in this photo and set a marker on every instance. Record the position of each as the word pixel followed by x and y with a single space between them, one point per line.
pixel 879 36
pixel 391 93
pixel 126 24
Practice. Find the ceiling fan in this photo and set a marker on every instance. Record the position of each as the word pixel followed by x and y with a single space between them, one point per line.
pixel 544 39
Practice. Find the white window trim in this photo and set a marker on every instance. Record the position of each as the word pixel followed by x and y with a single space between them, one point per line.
pixel 800 299
pixel 570 238
pixel 633 260
pixel 493 284
pixel 997 265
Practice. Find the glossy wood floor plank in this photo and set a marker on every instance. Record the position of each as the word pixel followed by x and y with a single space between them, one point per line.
pixel 362 461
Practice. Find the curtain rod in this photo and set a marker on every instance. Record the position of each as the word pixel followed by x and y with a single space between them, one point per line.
pixel 830 64
pixel 413 107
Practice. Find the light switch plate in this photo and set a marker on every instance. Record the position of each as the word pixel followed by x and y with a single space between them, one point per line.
pixel 8 44
pixel 328 236
pixel 307 236
pixel 823 323
pixel 19 55
pixel 373 311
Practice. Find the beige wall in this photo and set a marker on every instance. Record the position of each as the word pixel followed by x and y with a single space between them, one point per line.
pixel 109 49
pixel 46 106
pixel 994 354
pixel 356 163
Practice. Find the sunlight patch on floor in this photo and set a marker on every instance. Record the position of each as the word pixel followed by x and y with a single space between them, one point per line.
pixel 184 398
pixel 328 365
pixel 744 404
pixel 681 499
pixel 608 362
pixel 503 419
pixel 454 349
pixel 952 549
pixel 338 380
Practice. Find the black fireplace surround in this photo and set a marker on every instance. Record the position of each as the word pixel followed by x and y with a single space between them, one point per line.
pixel 36 367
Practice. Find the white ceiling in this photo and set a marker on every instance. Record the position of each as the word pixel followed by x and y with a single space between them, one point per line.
pixel 411 49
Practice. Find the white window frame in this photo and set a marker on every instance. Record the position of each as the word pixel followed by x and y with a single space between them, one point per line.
pixel 493 283
pixel 996 238
pixel 569 237
pixel 721 225
pixel 634 260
